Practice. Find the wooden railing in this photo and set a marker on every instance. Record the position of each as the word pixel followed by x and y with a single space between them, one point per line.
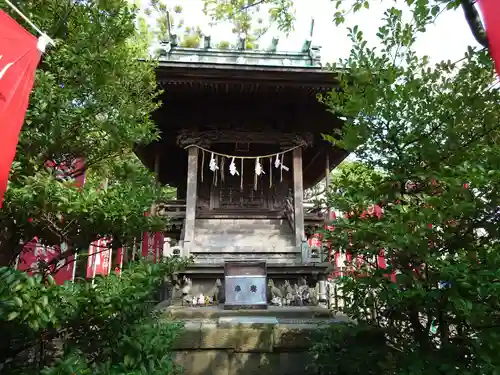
pixel 176 210
pixel 173 209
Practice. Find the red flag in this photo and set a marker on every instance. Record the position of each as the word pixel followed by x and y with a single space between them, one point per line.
pixel 74 170
pixel 119 259
pixel 99 260
pixel 19 57
pixel 34 252
pixel 152 245
pixel 491 14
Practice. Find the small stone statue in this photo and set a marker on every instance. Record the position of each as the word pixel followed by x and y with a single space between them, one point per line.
pixel 186 288
pixel 296 301
pixel 201 300
pixel 277 301
pixel 221 298
pixel 282 289
pixel 288 288
pixel 288 293
pixel 303 291
pixel 313 296
pixel 275 293
pixel 213 294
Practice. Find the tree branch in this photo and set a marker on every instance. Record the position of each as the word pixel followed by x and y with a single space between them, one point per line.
pixel 474 21
pixel 252 5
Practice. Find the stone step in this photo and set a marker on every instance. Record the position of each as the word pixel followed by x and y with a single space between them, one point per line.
pixel 288 259
pixel 216 312
pixel 251 224
pixel 242 249
pixel 243 240
pixel 225 231
pixel 241 214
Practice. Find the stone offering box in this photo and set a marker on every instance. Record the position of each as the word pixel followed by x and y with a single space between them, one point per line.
pixel 245 285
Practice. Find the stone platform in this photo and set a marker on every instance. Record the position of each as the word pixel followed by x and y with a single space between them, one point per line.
pixel 218 312
pixel 245 342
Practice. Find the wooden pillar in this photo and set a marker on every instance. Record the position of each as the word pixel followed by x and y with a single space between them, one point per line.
pixel 298 197
pixel 157 175
pixel 327 170
pixel 191 195
pixel 327 181
pixel 157 164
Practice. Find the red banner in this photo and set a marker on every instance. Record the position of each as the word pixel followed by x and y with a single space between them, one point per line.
pixel 491 14
pixel 120 253
pixel 152 245
pixel 35 252
pixel 99 259
pixel 74 170
pixel 343 263
pixel 19 57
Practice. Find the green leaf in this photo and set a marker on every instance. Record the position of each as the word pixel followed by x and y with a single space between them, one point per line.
pixel 18 301
pixel 13 315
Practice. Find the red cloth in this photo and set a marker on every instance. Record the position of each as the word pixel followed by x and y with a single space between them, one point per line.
pixel 491 14
pixel 34 252
pixel 101 255
pixel 152 245
pixel 69 171
pixel 18 62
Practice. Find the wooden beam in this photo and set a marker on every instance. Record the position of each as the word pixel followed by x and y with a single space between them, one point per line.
pixel 191 196
pixel 153 209
pixel 298 197
pixel 327 178
pixel 157 163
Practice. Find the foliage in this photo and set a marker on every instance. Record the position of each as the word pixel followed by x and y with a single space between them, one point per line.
pixel 424 12
pixel 247 17
pixel 350 173
pixel 349 349
pixel 433 132
pixel 92 99
pixel 241 12
pixel 166 20
pixel 223 44
pixel 105 328
pixel 346 173
pixel 282 15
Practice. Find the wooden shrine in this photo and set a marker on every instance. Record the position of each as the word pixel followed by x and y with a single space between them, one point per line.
pixel 241 141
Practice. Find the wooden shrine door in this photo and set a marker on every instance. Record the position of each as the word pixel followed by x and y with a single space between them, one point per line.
pixel 231 193
pixel 233 196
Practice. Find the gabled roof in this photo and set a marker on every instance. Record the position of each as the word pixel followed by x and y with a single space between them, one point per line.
pixel 307 59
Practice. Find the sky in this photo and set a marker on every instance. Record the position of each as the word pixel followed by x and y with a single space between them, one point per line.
pixel 447 39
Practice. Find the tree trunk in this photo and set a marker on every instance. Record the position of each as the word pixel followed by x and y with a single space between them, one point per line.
pixel 474 21
pixel 9 247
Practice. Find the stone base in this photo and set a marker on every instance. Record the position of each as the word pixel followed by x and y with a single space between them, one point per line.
pixel 274 270
pixel 204 275
pixel 218 312
pixel 271 342
pixel 227 362
pixel 246 307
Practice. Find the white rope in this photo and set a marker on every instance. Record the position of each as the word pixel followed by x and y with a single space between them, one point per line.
pixel 246 157
pixel 29 22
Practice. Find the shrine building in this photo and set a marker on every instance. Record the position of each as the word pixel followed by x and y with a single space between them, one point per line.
pixel 241 139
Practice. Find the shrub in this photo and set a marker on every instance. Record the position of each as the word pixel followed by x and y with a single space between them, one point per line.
pixel 349 349
pixel 106 328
